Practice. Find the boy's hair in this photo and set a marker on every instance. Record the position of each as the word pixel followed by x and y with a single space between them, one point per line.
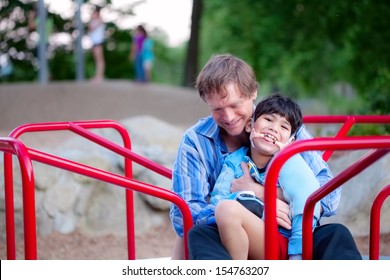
pixel 283 106
pixel 223 69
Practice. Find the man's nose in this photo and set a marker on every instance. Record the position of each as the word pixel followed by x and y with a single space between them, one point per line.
pixel 228 114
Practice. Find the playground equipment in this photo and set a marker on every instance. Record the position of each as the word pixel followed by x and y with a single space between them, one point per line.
pixel 11 145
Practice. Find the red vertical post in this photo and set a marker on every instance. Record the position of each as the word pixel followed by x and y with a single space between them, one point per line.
pixel 8 144
pixel 375 220
pixel 9 207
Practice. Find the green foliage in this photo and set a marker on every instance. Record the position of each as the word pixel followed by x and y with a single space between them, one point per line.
pixel 116 53
pixel 168 65
pixel 304 47
pixel 369 129
pixel 61 65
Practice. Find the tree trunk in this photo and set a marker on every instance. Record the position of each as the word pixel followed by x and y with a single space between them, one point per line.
pixel 191 66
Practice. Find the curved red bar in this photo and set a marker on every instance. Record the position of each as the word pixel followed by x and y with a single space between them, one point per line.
pixel 14 146
pixel 381 143
pixel 81 128
pixel 375 222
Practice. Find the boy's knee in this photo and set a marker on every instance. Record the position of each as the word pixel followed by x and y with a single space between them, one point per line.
pixel 226 210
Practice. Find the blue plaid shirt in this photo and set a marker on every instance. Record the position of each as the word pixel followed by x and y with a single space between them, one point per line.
pixel 199 162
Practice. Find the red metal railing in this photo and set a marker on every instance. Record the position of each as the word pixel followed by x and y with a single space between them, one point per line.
pixel 339 142
pixel 375 222
pixel 381 144
pixel 347 123
pixel 80 128
pixel 14 146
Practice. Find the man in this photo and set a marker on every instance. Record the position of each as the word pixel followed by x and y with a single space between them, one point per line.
pixel 229 87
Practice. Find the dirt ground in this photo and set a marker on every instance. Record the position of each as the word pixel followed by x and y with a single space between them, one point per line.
pixel 156 244
pixel 29 103
pixel 76 246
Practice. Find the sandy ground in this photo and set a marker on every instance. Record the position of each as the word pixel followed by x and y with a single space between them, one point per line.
pixel 117 100
pixel 158 243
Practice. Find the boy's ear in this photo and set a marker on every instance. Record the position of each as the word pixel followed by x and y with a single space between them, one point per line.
pixel 291 139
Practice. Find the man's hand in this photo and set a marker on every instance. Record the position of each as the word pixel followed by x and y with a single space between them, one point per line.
pixel 282 214
pixel 247 183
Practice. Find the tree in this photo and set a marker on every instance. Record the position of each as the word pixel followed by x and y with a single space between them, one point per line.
pixel 304 47
pixel 191 65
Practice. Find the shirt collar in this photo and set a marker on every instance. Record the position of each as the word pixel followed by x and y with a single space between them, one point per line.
pixel 210 129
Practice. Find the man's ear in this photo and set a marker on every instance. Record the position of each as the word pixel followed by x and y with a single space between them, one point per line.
pixel 254 95
pixel 248 125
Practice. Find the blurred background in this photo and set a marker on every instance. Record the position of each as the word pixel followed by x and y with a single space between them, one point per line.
pixel 332 56
pixel 333 51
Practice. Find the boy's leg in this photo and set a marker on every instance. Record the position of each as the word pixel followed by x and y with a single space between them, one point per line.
pixel 298 182
pixel 334 242
pixel 204 244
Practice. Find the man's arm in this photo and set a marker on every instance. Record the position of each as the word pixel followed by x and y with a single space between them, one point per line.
pixel 323 174
pixel 190 182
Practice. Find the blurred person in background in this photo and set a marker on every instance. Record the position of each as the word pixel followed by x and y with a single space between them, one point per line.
pixel 96 29
pixel 141 54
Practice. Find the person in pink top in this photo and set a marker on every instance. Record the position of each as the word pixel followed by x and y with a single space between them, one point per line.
pixel 139 37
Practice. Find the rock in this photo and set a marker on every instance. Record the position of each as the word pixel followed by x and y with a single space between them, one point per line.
pixel 66 201
pixel 359 193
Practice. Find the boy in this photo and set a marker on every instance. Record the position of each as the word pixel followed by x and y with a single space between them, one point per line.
pixel 274 124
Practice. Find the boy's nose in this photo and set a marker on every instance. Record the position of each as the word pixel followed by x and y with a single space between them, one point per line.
pixel 273 128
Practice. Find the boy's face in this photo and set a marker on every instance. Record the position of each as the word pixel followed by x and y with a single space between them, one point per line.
pixel 230 110
pixel 269 133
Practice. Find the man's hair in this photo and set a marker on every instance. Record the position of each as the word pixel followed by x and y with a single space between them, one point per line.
pixel 222 70
pixel 282 105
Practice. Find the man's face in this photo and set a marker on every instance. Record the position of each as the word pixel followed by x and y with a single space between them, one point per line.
pixel 231 111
